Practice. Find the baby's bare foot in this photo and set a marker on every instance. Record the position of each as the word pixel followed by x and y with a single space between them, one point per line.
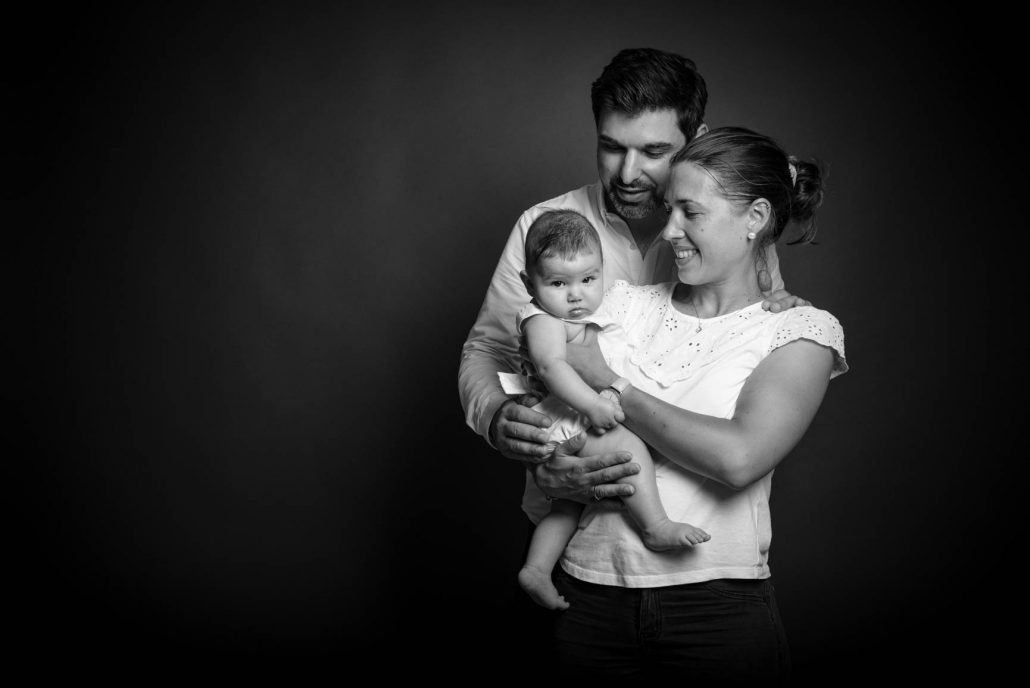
pixel 673 535
pixel 539 586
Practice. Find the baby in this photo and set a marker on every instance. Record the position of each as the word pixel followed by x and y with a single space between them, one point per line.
pixel 563 276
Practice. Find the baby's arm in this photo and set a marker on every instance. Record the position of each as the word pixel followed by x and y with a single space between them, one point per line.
pixel 546 341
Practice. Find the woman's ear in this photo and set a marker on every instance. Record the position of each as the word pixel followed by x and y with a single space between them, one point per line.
pixel 758 215
pixel 527 282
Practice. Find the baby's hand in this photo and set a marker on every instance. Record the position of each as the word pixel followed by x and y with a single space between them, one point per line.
pixel 606 414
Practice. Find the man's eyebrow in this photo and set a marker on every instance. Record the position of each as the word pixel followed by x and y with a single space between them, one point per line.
pixel 656 147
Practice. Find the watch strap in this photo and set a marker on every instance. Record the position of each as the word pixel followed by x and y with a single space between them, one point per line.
pixel 620 385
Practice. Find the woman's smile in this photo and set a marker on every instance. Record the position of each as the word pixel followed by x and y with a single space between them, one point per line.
pixel 684 253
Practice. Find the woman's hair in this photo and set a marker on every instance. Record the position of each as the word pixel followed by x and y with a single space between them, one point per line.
pixel 639 80
pixel 559 232
pixel 747 166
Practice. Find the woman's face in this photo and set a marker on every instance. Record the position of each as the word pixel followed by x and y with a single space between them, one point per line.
pixel 708 234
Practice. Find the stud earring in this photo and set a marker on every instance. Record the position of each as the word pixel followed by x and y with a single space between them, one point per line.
pixel 751 235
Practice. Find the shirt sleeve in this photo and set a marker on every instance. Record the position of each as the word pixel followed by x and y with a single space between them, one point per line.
pixel 772 263
pixel 491 345
pixel 815 325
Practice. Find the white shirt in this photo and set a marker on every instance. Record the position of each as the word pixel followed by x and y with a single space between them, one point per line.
pixel 659 349
pixel 491 346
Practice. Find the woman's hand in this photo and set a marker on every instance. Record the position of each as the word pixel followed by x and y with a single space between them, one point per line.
pixel 587 360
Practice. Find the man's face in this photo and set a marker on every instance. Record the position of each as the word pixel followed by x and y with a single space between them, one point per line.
pixel 633 155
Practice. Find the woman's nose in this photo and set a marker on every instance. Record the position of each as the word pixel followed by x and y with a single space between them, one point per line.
pixel 670 231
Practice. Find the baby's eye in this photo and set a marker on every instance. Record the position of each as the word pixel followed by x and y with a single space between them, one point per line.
pixel 587 280
pixel 557 283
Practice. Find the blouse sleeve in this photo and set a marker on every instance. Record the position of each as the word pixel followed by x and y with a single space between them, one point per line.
pixel 816 325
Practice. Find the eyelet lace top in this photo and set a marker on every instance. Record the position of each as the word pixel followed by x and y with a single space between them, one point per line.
pixel 664 344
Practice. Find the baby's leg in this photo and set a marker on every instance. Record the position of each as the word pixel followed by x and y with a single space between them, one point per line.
pixel 657 531
pixel 545 548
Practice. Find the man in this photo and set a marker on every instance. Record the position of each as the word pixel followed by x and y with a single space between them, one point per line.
pixel 647 105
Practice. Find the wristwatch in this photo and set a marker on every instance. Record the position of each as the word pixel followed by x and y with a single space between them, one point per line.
pixel 620 386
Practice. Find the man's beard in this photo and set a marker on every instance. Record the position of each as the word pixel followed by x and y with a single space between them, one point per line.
pixel 631 211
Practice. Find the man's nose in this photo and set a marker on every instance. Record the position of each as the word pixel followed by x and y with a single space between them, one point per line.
pixel 630 170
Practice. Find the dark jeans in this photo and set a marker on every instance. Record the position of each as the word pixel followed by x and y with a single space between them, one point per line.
pixel 528 630
pixel 725 629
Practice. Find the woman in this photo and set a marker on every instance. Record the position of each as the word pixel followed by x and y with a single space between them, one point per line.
pixel 722 390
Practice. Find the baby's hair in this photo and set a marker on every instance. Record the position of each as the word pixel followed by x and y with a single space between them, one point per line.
pixel 748 165
pixel 563 233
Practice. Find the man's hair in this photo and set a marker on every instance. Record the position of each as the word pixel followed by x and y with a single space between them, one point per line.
pixel 639 80
pixel 559 232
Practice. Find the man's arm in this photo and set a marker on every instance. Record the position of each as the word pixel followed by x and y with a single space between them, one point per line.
pixel 777 298
pixel 491 348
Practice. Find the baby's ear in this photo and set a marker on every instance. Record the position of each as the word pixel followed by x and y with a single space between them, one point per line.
pixel 527 282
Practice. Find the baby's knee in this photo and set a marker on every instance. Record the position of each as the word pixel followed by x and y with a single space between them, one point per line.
pixel 620 439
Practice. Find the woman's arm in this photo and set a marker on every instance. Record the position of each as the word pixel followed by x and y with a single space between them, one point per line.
pixel 774 409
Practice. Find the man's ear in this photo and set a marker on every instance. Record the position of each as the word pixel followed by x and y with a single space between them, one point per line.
pixel 703 129
pixel 758 214
pixel 527 282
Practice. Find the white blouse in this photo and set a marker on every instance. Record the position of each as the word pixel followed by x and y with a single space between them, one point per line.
pixel 659 349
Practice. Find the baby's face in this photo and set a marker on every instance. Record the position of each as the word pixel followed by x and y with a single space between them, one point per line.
pixel 569 288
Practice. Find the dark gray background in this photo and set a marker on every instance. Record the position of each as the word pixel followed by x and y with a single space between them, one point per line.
pixel 247 244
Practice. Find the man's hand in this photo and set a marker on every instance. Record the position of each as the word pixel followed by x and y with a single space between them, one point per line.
pixel 780 300
pixel 587 360
pixel 584 479
pixel 520 433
